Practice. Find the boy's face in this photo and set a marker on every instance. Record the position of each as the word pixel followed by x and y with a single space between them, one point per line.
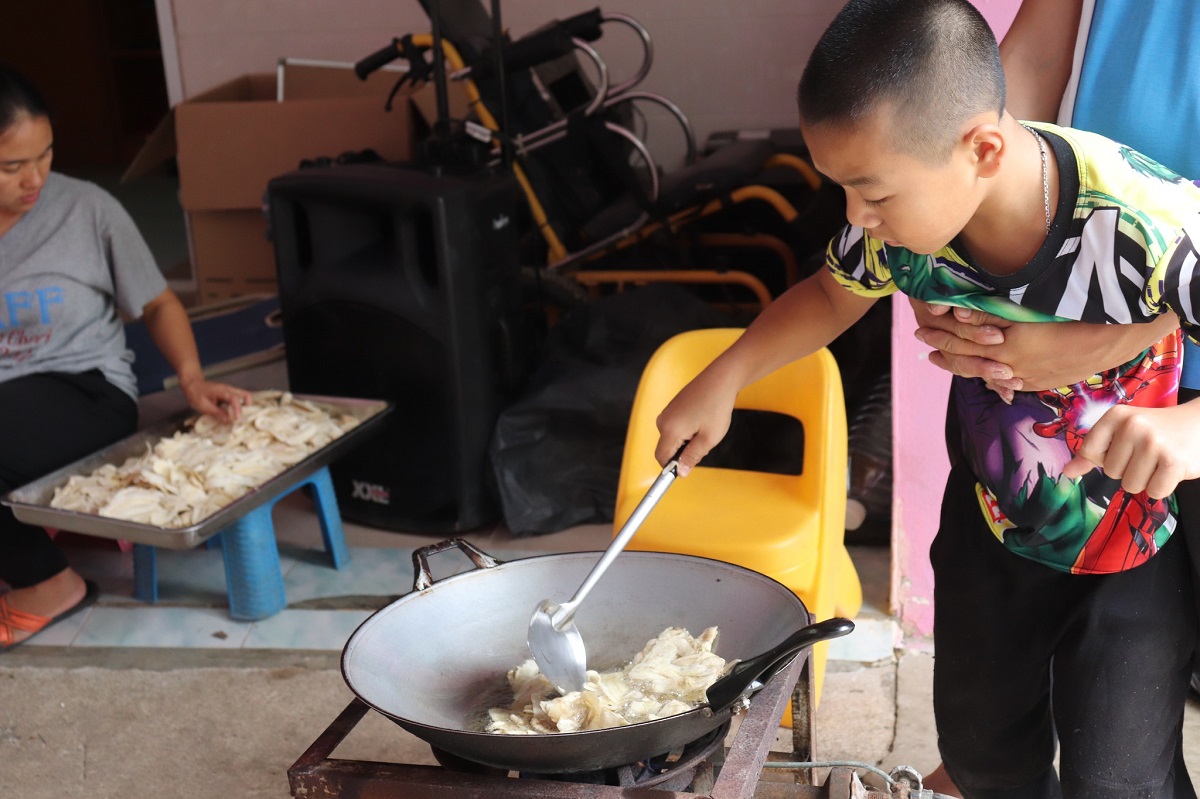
pixel 893 195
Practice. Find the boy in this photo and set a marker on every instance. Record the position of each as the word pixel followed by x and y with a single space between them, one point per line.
pixel 1062 605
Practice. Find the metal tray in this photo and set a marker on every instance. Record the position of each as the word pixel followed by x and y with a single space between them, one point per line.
pixel 31 502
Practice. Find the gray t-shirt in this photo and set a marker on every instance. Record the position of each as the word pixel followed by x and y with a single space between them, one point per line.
pixel 66 268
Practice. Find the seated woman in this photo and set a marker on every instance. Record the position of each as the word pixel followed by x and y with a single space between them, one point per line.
pixel 71 263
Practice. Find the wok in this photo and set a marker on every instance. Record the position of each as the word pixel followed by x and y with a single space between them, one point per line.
pixel 435 659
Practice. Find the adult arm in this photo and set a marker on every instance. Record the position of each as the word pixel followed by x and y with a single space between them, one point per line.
pixel 171 331
pixel 1029 356
pixel 803 319
pixel 1037 53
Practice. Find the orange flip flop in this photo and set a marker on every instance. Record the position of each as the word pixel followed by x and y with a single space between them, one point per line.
pixel 12 620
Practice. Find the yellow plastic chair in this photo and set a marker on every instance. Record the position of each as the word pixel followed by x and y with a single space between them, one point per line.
pixel 788 527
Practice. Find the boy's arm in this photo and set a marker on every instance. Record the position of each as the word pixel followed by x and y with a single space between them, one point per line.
pixel 171 331
pixel 803 319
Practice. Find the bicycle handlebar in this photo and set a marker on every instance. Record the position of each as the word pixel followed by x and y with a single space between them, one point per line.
pixel 380 58
pixel 584 26
pixel 542 46
pixel 526 52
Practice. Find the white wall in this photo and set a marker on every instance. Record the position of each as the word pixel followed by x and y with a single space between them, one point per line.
pixel 728 65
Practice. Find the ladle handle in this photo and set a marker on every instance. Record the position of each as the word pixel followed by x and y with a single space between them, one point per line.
pixel 661 483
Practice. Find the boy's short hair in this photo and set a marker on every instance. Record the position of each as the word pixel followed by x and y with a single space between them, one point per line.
pixel 934 63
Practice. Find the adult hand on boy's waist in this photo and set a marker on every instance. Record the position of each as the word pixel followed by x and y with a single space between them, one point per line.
pixel 1028 356
pixel 1147 449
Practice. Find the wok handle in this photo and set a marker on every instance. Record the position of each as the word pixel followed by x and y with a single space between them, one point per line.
pixel 726 691
pixel 423 578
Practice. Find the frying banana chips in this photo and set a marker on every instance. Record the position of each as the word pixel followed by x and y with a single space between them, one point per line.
pixel 184 479
pixel 669 676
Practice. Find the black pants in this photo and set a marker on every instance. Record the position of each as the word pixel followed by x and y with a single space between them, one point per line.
pixel 1188 497
pixel 46 422
pixel 1027 656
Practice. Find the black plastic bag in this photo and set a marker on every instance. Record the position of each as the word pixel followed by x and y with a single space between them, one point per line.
pixel 556 451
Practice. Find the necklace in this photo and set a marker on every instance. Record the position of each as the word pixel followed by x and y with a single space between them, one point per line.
pixel 1045 173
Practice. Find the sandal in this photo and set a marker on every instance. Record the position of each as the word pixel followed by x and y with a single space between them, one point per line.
pixel 13 621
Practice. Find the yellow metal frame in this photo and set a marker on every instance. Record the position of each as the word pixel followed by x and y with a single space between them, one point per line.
pixel 557 251
pixel 455 62
pixel 763 241
pixel 594 278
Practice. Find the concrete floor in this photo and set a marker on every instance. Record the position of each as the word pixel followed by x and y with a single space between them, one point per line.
pixel 134 722
pixel 155 719
pixel 138 724
pixel 165 721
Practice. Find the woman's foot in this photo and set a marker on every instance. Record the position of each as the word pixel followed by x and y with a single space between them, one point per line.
pixel 24 612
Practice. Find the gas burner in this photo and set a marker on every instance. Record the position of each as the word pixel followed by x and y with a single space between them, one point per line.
pixel 674 771
pixel 690 769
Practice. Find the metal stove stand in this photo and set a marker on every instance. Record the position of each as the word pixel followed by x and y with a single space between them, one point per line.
pixel 316 775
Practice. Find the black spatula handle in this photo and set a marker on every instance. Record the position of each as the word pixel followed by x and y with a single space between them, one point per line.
pixel 727 690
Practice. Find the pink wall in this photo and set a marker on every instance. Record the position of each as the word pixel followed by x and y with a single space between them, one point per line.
pixel 919 392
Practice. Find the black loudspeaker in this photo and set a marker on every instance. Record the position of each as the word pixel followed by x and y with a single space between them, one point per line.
pixel 397 283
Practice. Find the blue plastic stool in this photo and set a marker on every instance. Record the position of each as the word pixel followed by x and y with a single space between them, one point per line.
pixel 253 576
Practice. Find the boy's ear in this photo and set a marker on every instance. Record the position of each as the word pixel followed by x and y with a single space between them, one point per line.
pixel 985 142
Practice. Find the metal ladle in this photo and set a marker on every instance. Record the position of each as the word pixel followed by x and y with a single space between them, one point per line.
pixel 554 640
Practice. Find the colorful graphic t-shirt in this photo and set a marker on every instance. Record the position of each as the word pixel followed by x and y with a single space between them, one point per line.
pixel 1122 250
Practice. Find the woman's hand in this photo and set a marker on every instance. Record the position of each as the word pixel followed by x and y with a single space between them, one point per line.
pixel 224 402
pixel 171 331
pixel 1029 356
pixel 1147 449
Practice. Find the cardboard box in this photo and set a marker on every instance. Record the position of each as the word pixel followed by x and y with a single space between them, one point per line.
pixel 230 141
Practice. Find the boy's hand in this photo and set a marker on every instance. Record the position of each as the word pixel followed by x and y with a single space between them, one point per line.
pixel 699 415
pixel 218 400
pixel 1147 449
